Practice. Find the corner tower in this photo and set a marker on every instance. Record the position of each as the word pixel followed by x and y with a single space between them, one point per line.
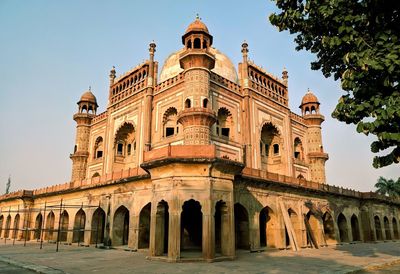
pixel 196 60
pixel 316 155
pixel 87 107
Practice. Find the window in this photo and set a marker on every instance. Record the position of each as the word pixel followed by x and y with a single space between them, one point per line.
pixel 129 149
pixel 266 150
pixel 169 131
pixel 276 149
pixel 196 43
pixel 204 44
pixel 189 44
pixel 75 148
pixel 99 154
pixel 205 102
pixel 187 103
pixel 98 147
pixel 120 148
pixel 225 132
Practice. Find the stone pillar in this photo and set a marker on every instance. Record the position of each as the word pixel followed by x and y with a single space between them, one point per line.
pixel 254 227
pixel 70 232
pixel 349 231
pixel 208 237
pixel 174 231
pixel 88 227
pixel 133 231
pixel 227 230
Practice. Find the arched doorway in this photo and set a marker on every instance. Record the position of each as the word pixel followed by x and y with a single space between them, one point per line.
pixel 7 227
pixel 329 228
pixel 191 226
pixel 221 211
pixel 268 225
pixel 38 226
pixel 1 225
pixel 242 239
pixel 16 227
pixel 162 222
pixel 121 226
pixel 98 226
pixel 144 226
pixel 387 228
pixel 50 226
pixel 64 226
pixel 79 226
pixel 342 224
pixel 378 228
pixel 395 228
pixel 355 228
pixel 315 232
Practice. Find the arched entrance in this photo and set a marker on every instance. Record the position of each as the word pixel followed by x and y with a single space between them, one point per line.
pixel 329 228
pixel 121 226
pixel 79 226
pixel 64 226
pixel 1 225
pixel 38 226
pixel 98 226
pixel 342 224
pixel 387 228
pixel 7 227
pixel 220 224
pixel 144 226
pixel 242 239
pixel 395 228
pixel 268 226
pixel 355 228
pixel 50 226
pixel 315 232
pixel 191 226
pixel 162 221
pixel 378 228
pixel 295 220
pixel 16 226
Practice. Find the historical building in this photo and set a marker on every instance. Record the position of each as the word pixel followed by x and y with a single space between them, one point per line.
pixel 201 157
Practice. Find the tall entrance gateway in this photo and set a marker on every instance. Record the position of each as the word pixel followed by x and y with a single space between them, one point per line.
pixel 197 160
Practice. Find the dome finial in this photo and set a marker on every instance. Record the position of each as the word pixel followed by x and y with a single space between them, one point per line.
pixel 197 17
pixel 90 88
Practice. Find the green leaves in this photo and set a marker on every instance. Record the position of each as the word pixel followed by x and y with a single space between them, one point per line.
pixel 356 42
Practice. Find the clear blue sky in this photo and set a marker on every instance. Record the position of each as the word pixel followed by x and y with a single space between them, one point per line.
pixel 51 51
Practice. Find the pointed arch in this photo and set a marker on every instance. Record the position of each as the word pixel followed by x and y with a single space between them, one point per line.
pixel 79 226
pixel 329 228
pixel 387 228
pixel 298 149
pixel 120 226
pixel 38 226
pixel 7 227
pixel 144 226
pixel 170 124
pixel 191 225
pixel 1 225
pixel 16 226
pixel 50 226
pixel 64 226
pixel 342 224
pixel 355 228
pixel 124 136
pixel 98 226
pixel 268 222
pixel 242 233
pixel 98 148
pixel 395 228
pixel 378 228
pixel 224 122
pixel 270 139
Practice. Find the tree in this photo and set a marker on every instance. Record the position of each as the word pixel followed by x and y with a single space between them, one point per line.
pixel 388 187
pixel 356 41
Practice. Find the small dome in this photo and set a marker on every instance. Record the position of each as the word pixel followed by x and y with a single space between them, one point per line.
pixel 309 98
pixel 88 96
pixel 197 25
pixel 223 66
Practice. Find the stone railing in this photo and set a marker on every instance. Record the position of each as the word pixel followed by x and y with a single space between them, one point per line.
pixel 297 118
pixel 128 91
pixel 262 174
pixel 99 117
pixel 109 178
pixel 268 92
pixel 181 151
pixel 169 82
pixel 225 82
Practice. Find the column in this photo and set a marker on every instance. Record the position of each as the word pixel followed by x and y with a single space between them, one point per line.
pixel 208 236
pixel 174 231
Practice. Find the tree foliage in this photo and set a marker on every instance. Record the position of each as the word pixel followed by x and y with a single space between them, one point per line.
pixel 356 41
pixel 388 187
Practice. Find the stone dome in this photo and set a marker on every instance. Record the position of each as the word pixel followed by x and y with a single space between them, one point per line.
pixel 223 66
pixel 309 98
pixel 88 96
pixel 197 25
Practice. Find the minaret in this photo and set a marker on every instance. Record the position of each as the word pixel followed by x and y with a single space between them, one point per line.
pixel 313 119
pixel 285 76
pixel 244 76
pixel 197 116
pixel 86 112
pixel 149 98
